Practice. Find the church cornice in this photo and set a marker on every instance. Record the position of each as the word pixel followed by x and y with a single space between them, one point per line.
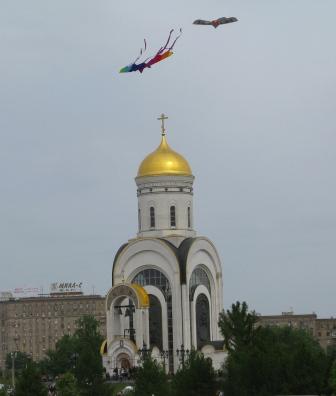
pixel 165 179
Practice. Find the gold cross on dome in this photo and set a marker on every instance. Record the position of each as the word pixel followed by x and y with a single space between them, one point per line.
pixel 162 118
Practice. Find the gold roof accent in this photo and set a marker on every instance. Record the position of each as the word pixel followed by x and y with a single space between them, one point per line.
pixel 103 348
pixel 134 291
pixel 142 295
pixel 164 161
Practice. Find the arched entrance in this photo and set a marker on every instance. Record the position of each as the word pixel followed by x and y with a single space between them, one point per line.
pixel 124 361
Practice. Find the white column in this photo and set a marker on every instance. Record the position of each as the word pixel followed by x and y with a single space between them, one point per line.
pixel 139 327
pixel 146 326
pixel 186 318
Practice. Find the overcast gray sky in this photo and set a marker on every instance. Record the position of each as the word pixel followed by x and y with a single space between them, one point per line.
pixel 251 105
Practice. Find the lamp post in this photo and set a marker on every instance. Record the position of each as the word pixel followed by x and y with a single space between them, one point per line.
pixel 129 312
pixel 131 333
pixel 74 358
pixel 164 355
pixel 130 309
pixel 182 353
pixel 144 352
pixel 13 356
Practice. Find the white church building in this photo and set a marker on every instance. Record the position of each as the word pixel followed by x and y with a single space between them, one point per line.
pixel 167 288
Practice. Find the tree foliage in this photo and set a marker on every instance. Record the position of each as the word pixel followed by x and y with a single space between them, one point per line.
pixel 21 359
pixel 88 366
pixel 62 359
pixel 79 354
pixel 272 360
pixel 150 379
pixel 29 382
pixel 66 385
pixel 332 378
pixel 5 391
pixel 238 326
pixel 196 378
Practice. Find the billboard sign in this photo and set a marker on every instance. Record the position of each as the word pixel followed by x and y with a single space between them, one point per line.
pixel 5 296
pixel 26 291
pixel 66 288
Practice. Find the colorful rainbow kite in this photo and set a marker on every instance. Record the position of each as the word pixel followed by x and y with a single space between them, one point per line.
pixel 163 53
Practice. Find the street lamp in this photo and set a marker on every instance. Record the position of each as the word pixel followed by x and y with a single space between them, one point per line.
pixel 13 356
pixel 182 353
pixel 144 352
pixel 130 309
pixel 131 333
pixel 164 355
pixel 74 358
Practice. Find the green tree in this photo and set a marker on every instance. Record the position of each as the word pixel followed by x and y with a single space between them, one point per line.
pixel 66 385
pixel 88 362
pixel 238 326
pixel 21 360
pixel 5 390
pixel 150 379
pixel 62 359
pixel 29 382
pixel 274 360
pixel 332 378
pixel 79 354
pixel 196 378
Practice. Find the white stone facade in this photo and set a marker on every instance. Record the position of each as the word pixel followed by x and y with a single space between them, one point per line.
pixel 180 273
pixel 162 193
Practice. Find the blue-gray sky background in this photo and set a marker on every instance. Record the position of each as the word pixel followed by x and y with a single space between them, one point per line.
pixel 251 105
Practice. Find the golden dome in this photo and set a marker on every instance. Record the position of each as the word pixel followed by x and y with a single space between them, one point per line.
pixel 164 161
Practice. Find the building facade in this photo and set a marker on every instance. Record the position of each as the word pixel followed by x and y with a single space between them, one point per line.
pixel 34 325
pixel 167 288
pixel 323 330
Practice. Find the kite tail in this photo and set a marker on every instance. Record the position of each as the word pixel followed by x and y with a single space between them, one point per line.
pixel 172 46
pixel 165 46
pixel 141 51
pixel 170 33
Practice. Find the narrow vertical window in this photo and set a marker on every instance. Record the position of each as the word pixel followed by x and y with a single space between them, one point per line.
pixel 172 216
pixel 152 216
pixel 189 218
pixel 139 219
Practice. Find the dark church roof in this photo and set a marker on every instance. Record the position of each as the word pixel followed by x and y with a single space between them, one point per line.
pixel 122 247
pixel 181 254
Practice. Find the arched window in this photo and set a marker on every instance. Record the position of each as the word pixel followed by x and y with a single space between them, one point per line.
pixel 198 277
pixel 139 219
pixel 189 217
pixel 157 278
pixel 172 216
pixel 202 320
pixel 155 322
pixel 152 216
